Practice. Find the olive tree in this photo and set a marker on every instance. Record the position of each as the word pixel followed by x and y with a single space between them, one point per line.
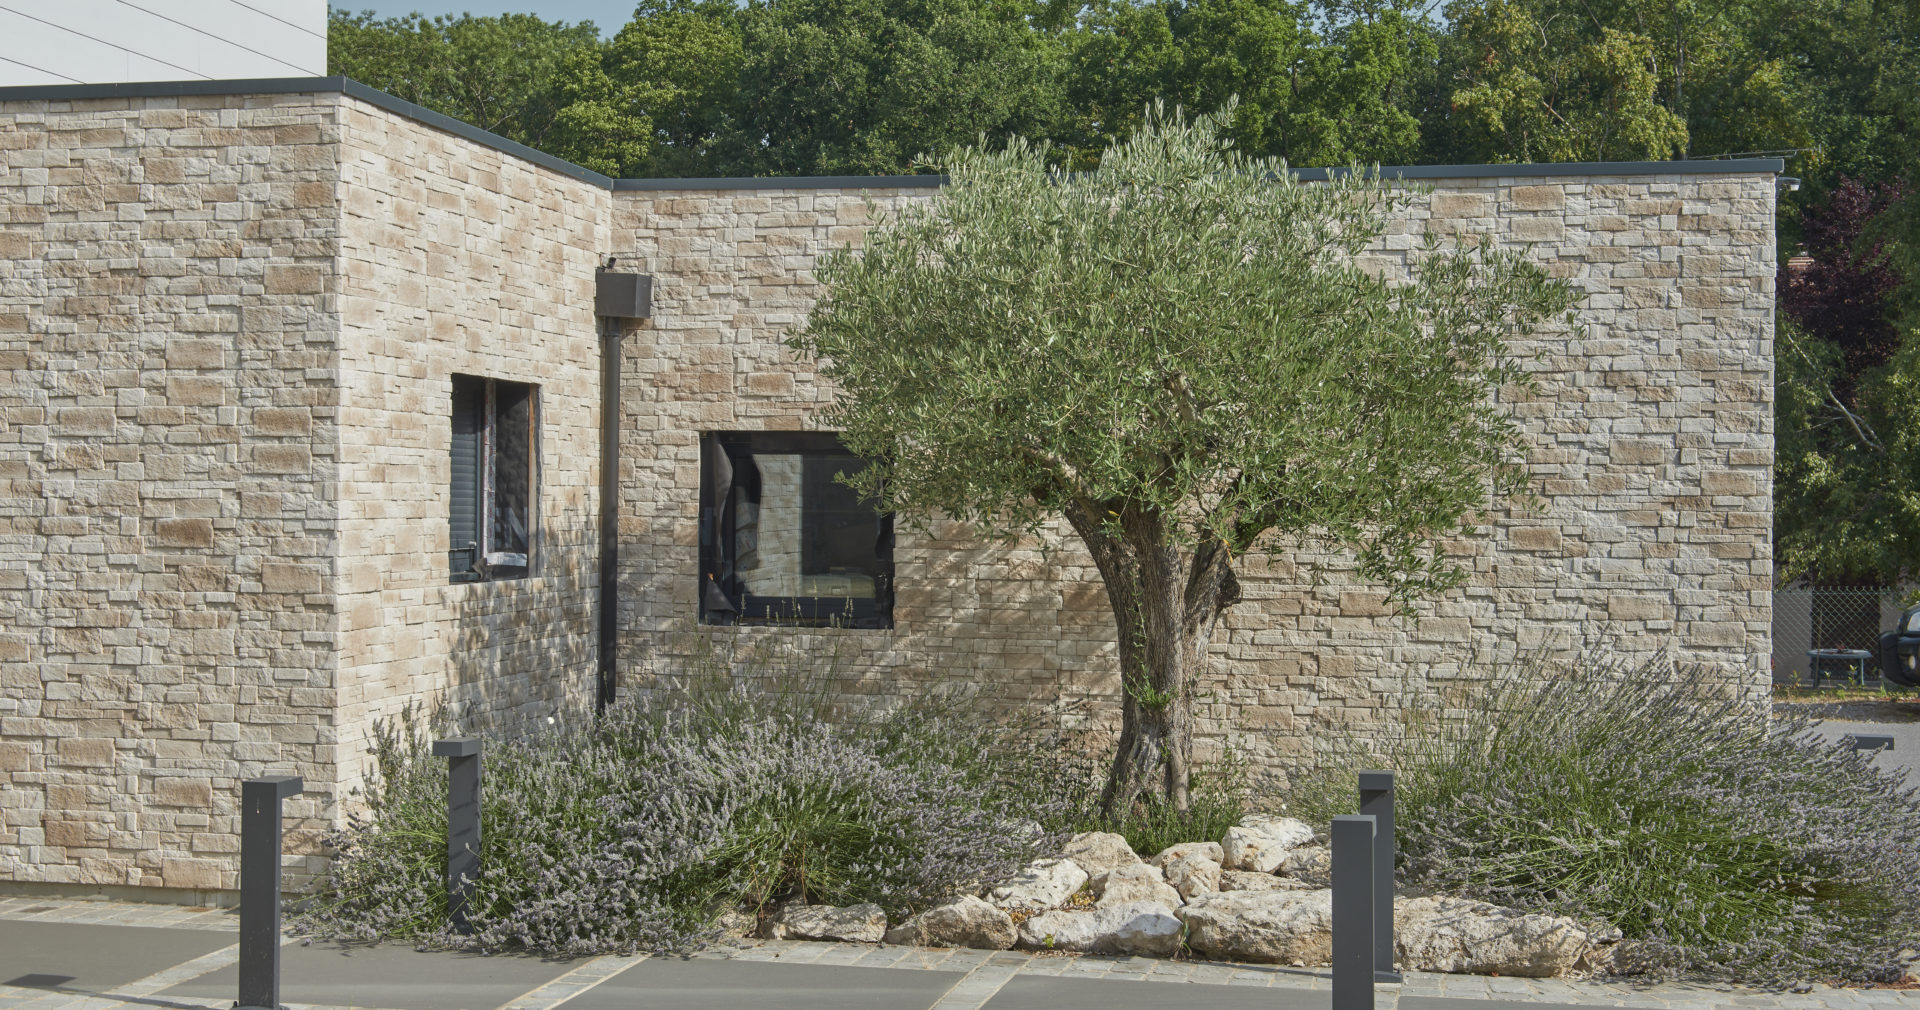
pixel 1183 354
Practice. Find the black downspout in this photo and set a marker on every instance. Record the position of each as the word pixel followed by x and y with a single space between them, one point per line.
pixel 610 333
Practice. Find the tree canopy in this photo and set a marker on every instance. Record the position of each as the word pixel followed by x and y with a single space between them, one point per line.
pixel 1181 353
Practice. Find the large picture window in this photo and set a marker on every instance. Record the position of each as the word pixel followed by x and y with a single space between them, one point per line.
pixel 783 541
pixel 490 518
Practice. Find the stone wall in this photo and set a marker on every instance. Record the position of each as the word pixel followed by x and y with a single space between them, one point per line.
pixel 1652 428
pixel 732 273
pixel 228 327
pixel 168 317
pixel 458 258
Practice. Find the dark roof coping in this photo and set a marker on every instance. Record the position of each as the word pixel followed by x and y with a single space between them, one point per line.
pixel 354 89
pixel 786 182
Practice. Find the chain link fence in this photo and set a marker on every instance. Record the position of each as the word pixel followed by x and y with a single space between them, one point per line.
pixel 1807 617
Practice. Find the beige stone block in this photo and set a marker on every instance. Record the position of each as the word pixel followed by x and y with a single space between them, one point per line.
pixel 294 280
pixel 282 578
pixel 86 421
pixel 193 353
pixel 13 757
pixel 285 459
pixel 1364 604
pixel 1728 482
pixel 197 391
pixel 1534 538
pixel 1639 608
pixel 72 834
pixel 197 874
pixel 86 752
pixel 283 421
pixel 183 792
pixel 1462 205
pixel 1537 229
pixel 183 532
pixel 15 245
pixel 1537 197
pixel 770 384
pixel 1639 452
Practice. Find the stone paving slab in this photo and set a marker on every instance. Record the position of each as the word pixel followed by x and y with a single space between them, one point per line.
pixel 390 975
pixel 1030 992
pixel 94 958
pixel 728 985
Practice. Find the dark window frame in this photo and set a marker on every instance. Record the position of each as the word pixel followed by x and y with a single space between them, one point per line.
pixel 723 600
pixel 487 555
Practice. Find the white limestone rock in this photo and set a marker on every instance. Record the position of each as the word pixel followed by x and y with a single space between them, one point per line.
pixel 969 922
pixel 1138 882
pixel 1045 883
pixel 1205 850
pixel 1143 928
pixel 1099 851
pixel 1473 937
pixel 1268 927
pixel 1312 864
pixel 863 923
pixel 1246 880
pixel 1260 843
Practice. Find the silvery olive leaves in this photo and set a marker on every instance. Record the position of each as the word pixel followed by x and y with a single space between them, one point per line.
pixel 1191 332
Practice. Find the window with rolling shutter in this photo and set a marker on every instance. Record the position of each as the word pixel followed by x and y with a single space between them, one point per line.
pixel 492 479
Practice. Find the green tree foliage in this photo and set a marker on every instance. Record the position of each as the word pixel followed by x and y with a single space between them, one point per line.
pixel 1565 80
pixel 1179 354
pixel 859 87
pixel 1847 468
pixel 658 100
pixel 1316 86
pixel 502 74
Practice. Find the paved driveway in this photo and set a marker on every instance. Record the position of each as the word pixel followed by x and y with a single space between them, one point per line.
pixel 57 955
pixel 1905 755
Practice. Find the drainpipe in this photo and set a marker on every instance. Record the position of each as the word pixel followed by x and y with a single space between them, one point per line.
pixel 618 297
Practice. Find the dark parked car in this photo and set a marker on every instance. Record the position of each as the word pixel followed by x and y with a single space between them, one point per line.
pixel 1900 651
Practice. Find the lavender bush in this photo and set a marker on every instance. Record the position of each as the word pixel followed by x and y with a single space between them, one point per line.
pixel 1640 797
pixel 638 830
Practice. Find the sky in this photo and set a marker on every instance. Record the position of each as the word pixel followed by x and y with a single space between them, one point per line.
pixel 607 15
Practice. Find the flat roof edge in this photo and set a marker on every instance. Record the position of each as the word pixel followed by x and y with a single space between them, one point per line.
pixel 1726 166
pixel 786 182
pixel 399 106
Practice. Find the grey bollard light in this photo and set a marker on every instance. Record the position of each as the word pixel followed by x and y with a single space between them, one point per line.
pixel 1353 836
pixel 1376 799
pixel 260 841
pixel 463 823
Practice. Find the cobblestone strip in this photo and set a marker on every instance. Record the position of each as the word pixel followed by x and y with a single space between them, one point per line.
pixel 574 983
pixel 982 983
pixel 185 971
pixel 120 913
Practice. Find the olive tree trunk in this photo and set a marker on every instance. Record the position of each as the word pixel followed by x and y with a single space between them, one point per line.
pixel 1166 601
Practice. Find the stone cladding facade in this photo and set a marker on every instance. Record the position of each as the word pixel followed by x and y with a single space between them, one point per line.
pixel 1652 427
pixel 169 355
pixel 228 327
pixel 458 258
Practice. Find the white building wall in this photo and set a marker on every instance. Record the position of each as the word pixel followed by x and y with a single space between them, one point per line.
pixel 113 41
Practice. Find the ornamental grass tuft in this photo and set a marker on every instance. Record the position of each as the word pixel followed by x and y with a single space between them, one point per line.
pixel 1647 798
